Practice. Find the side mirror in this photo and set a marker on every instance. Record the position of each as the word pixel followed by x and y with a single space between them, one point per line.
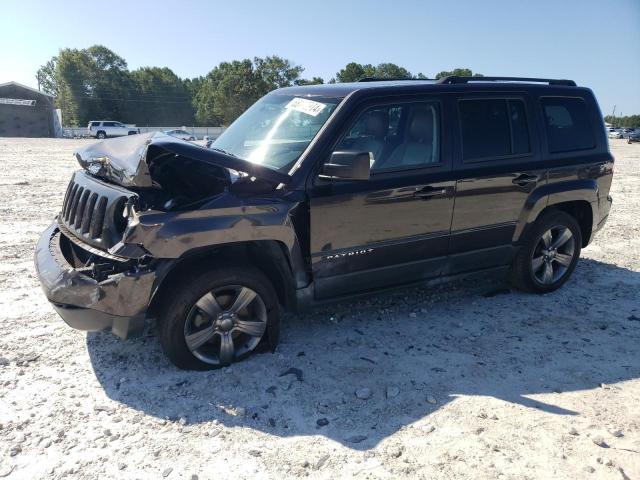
pixel 347 165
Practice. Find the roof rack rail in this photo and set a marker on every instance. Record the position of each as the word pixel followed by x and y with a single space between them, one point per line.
pixel 379 79
pixel 455 79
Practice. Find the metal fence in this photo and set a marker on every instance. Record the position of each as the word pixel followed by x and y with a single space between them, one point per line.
pixel 198 132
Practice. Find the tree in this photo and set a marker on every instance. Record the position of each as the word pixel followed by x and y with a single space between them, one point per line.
pixel 309 81
pixel 352 72
pixel 46 77
pixel 276 72
pixel 161 98
pixel 631 121
pixel 458 72
pixel 232 87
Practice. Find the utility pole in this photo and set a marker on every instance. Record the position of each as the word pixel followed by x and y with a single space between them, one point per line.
pixel 613 116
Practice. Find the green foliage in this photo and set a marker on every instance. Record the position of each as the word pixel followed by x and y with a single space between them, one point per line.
pixel 96 84
pixel 459 72
pixel 353 72
pixel 232 87
pixel 161 98
pixel 630 121
pixel 309 81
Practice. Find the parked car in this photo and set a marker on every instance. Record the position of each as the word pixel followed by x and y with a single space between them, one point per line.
pixel 634 136
pixel 182 134
pixel 342 190
pixel 616 133
pixel 107 128
pixel 627 131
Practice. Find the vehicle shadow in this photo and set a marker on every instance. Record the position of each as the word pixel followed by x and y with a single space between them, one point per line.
pixel 410 348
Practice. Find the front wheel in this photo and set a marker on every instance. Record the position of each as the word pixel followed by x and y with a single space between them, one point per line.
pixel 101 135
pixel 549 253
pixel 219 317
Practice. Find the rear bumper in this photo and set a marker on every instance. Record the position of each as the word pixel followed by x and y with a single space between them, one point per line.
pixel 116 302
pixel 604 207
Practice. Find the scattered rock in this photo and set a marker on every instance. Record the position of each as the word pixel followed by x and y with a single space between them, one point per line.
pixel 272 390
pixel 392 392
pixel 322 460
pixel 15 450
pixel 617 433
pixel 364 393
pixel 356 438
pixel 428 428
pixel 600 442
pixel 255 453
pixel 573 431
pixel 104 408
pixel 122 466
pixel 293 371
pixel 634 318
pixel 589 469
pixel 394 451
pixel 431 399
pixel 322 422
pixel 166 472
pixel 5 470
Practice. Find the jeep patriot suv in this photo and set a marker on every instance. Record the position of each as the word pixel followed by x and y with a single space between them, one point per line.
pixel 322 192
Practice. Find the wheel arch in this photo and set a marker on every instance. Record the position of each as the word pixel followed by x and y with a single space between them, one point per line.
pixel 578 198
pixel 268 256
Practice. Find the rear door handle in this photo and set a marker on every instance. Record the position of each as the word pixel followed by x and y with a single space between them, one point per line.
pixel 429 192
pixel 524 179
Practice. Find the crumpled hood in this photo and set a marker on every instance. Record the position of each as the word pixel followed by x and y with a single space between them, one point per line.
pixel 127 161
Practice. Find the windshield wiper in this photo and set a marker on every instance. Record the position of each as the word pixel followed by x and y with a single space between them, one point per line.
pixel 224 151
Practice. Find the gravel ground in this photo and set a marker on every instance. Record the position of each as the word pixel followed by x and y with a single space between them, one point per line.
pixel 468 380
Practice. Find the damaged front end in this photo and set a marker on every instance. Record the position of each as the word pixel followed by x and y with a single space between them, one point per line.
pixel 139 204
pixel 91 291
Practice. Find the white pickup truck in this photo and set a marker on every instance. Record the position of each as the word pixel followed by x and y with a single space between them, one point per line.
pixel 107 128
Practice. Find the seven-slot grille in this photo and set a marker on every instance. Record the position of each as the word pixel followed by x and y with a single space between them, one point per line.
pixel 83 211
pixel 92 211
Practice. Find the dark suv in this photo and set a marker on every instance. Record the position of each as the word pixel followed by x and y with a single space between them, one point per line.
pixel 323 192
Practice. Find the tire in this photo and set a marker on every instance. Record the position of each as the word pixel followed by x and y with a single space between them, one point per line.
pixel 191 139
pixel 530 271
pixel 132 133
pixel 192 328
pixel 101 135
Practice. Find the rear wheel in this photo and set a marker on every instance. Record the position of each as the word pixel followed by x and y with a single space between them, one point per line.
pixel 549 253
pixel 101 135
pixel 218 318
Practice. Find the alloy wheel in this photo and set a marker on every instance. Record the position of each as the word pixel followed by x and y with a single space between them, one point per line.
pixel 225 324
pixel 553 255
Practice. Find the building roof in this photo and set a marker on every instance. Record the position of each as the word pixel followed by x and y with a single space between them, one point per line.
pixel 16 84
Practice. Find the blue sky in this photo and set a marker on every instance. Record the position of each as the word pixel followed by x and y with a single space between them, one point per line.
pixel 596 43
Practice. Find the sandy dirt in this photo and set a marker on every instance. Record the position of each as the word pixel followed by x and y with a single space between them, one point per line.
pixel 461 381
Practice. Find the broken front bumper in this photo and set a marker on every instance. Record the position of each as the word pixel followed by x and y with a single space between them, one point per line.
pixel 87 300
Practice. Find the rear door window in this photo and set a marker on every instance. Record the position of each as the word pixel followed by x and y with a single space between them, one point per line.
pixel 567 124
pixel 493 128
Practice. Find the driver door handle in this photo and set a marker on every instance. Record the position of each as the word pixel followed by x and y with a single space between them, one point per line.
pixel 429 192
pixel 524 179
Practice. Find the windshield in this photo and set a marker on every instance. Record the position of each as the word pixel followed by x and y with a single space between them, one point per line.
pixel 276 129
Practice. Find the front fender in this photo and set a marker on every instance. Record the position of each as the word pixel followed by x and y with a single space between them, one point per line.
pixel 553 194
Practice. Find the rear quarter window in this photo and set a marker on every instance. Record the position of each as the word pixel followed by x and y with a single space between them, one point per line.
pixel 567 124
pixel 493 129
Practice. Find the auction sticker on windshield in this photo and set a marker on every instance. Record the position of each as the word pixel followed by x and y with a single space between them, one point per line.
pixel 304 105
